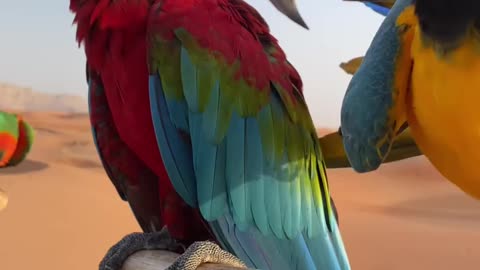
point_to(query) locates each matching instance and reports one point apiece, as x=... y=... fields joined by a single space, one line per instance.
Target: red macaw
x=201 y=125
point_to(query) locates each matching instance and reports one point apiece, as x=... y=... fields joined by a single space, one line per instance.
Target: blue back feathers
x=269 y=208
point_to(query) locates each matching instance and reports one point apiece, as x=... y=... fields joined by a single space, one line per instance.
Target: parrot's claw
x=134 y=242
x=205 y=252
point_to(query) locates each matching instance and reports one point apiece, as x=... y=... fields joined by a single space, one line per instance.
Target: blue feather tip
x=377 y=8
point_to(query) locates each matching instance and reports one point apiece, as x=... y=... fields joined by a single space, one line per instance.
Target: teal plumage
x=237 y=139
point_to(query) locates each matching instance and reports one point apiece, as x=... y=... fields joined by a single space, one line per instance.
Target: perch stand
x=160 y=260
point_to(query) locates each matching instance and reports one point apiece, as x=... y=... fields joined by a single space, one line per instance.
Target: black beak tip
x=299 y=20
x=304 y=25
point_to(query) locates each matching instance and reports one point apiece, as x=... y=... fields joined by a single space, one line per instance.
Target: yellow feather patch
x=443 y=112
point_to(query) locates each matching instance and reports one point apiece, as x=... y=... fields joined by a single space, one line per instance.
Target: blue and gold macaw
x=421 y=71
x=403 y=146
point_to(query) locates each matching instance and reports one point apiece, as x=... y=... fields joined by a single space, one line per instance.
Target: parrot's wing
x=373 y=108
x=236 y=136
x=8 y=137
x=134 y=181
x=403 y=147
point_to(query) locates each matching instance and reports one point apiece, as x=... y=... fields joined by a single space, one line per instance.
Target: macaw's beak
x=289 y=9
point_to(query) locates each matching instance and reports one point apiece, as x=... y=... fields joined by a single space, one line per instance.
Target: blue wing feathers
x=377 y=8
x=317 y=228
x=284 y=191
x=242 y=176
x=211 y=186
x=180 y=167
x=218 y=196
x=211 y=116
x=178 y=115
x=338 y=245
x=267 y=252
x=369 y=96
x=189 y=81
x=273 y=204
x=307 y=203
x=275 y=200
x=254 y=167
x=322 y=247
x=278 y=124
x=236 y=153
x=296 y=204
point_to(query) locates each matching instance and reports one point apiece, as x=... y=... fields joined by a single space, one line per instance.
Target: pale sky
x=38 y=48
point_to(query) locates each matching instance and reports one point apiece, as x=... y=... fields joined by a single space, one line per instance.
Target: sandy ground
x=64 y=213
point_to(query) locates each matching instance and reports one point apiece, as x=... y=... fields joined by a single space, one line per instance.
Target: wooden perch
x=160 y=260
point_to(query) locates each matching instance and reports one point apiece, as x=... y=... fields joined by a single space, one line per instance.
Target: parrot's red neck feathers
x=96 y=19
x=100 y=21
x=250 y=18
x=108 y=14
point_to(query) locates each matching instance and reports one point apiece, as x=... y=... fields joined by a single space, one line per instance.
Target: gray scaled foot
x=205 y=252
x=134 y=242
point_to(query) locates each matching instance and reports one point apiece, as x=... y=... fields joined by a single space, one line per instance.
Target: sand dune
x=63 y=213
x=25 y=99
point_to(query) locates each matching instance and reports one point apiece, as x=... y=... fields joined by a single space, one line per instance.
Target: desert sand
x=64 y=213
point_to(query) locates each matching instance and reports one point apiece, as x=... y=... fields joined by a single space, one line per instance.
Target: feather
x=378 y=8
x=253 y=150
x=373 y=107
x=120 y=163
x=172 y=142
x=236 y=164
